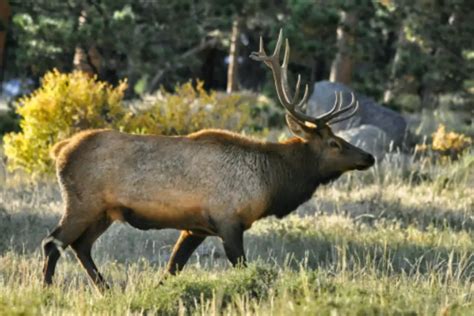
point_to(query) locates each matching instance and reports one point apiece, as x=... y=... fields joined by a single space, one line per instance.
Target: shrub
x=63 y=105
x=452 y=144
x=68 y=103
x=190 y=108
x=446 y=145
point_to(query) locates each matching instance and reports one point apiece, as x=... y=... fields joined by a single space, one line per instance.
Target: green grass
x=261 y=289
x=395 y=240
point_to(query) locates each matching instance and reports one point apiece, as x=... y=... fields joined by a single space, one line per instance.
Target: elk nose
x=370 y=160
x=366 y=161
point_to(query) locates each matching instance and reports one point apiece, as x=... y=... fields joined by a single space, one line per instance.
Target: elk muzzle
x=365 y=161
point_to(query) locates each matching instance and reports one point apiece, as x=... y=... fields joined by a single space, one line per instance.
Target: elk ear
x=297 y=128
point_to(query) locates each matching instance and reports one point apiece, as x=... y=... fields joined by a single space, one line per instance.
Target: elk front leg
x=183 y=249
x=233 y=241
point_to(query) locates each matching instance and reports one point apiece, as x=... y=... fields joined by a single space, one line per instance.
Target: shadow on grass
x=22 y=233
x=372 y=211
x=322 y=251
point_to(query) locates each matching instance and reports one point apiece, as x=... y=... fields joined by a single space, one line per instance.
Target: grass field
x=397 y=239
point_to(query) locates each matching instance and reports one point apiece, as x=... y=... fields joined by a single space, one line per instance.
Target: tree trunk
x=232 y=70
x=341 y=68
x=4 y=18
x=393 y=85
x=86 y=60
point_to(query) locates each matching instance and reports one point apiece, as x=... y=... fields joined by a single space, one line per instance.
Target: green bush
x=68 y=103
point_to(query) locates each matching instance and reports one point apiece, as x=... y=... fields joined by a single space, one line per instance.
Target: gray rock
x=370 y=113
x=369 y=138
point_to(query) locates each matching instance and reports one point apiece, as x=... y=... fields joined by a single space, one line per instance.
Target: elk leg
x=51 y=254
x=182 y=251
x=67 y=231
x=233 y=241
x=83 y=246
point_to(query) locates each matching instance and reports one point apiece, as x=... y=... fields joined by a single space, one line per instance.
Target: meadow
x=394 y=240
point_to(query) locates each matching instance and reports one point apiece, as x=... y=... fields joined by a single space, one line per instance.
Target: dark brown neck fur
x=296 y=177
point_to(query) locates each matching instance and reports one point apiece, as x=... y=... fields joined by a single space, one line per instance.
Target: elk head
x=333 y=154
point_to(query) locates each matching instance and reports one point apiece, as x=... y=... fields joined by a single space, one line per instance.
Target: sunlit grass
x=394 y=240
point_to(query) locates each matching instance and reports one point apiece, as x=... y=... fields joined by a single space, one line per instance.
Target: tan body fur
x=177 y=182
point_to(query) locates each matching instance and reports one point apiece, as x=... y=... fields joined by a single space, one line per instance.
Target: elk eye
x=334 y=144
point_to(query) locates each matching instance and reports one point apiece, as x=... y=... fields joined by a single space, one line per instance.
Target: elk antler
x=294 y=107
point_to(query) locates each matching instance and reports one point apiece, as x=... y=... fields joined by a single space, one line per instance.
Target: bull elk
x=209 y=183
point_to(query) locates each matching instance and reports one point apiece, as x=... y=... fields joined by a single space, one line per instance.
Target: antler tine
x=356 y=108
x=261 y=55
x=284 y=71
x=261 y=49
x=286 y=57
x=344 y=110
x=297 y=89
x=276 y=52
x=302 y=103
x=336 y=109
x=337 y=104
x=284 y=68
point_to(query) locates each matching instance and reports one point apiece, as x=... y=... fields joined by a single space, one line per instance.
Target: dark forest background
x=405 y=54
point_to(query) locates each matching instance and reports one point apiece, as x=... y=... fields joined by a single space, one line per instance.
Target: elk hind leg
x=51 y=254
x=65 y=233
x=83 y=247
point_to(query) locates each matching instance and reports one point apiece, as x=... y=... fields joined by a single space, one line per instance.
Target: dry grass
x=395 y=240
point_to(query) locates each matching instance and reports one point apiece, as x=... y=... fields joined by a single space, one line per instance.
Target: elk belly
x=170 y=210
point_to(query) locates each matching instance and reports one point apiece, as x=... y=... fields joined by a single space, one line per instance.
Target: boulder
x=370 y=112
x=369 y=138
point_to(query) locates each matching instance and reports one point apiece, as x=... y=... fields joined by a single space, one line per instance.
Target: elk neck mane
x=225 y=136
x=228 y=137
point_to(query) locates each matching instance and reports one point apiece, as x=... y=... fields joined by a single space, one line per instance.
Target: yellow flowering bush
x=446 y=144
x=450 y=142
x=63 y=105
x=189 y=109
x=68 y=103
